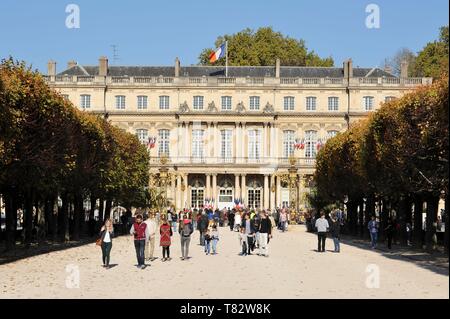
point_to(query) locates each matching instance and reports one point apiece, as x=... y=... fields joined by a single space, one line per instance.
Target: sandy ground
x=293 y=270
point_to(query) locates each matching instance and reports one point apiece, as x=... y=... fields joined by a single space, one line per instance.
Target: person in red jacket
x=140 y=232
x=166 y=232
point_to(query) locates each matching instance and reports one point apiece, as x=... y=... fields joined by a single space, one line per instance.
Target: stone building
x=231 y=138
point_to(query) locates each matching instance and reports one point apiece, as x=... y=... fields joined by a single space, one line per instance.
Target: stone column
x=266 y=191
x=172 y=189
x=186 y=141
x=208 y=186
x=243 y=142
x=215 y=145
x=214 y=189
x=186 y=194
x=273 y=143
x=180 y=140
x=278 y=202
x=238 y=141
x=272 y=194
x=179 y=195
x=243 y=189
x=237 y=189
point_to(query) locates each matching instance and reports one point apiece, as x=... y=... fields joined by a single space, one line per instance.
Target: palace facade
x=232 y=137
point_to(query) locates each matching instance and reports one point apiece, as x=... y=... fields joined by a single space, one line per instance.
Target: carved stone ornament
x=240 y=108
x=184 y=108
x=212 y=107
x=268 y=108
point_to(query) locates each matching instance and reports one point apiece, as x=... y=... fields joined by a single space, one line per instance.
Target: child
x=208 y=239
x=243 y=241
x=166 y=232
x=215 y=238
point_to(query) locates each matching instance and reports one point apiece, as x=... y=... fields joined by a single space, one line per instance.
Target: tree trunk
x=361 y=218
x=401 y=220
x=78 y=212
x=368 y=213
x=54 y=218
x=64 y=226
x=28 y=217
x=47 y=215
x=100 y=210
x=108 y=208
x=383 y=218
x=447 y=204
x=432 y=211
x=418 y=222
x=11 y=219
x=352 y=217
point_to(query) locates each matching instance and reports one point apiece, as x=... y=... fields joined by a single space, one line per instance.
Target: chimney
x=51 y=68
x=71 y=64
x=388 y=69
x=177 y=67
x=277 y=68
x=103 y=66
x=404 y=69
x=348 y=69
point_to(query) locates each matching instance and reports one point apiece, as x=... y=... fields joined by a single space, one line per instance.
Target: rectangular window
x=311 y=102
x=254 y=103
x=197 y=144
x=120 y=102
x=310 y=144
x=164 y=102
x=197 y=197
x=254 y=144
x=288 y=143
x=198 y=102
x=85 y=101
x=226 y=103
x=331 y=134
x=368 y=103
x=333 y=103
x=142 y=102
x=142 y=135
x=289 y=102
x=164 y=142
x=389 y=98
x=226 y=144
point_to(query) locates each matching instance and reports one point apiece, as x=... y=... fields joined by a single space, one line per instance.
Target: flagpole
x=226 y=58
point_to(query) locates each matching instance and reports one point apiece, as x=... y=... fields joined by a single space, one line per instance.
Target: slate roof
x=233 y=71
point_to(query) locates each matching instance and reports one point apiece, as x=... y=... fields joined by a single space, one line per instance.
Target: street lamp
x=293 y=183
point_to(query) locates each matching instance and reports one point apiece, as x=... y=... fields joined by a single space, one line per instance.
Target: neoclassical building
x=230 y=138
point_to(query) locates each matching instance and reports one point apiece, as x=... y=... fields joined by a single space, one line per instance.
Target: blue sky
x=155 y=32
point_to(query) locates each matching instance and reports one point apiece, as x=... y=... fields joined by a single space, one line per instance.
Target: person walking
x=186 y=229
x=335 y=230
x=214 y=238
x=322 y=227
x=283 y=220
x=174 y=221
x=106 y=235
x=202 y=227
x=140 y=232
x=373 y=227
x=231 y=214
x=243 y=242
x=237 y=221
x=208 y=239
x=256 y=221
x=390 y=229
x=250 y=232
x=265 y=231
x=150 y=243
x=165 y=241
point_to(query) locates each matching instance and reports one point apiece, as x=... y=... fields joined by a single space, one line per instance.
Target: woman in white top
x=237 y=221
x=106 y=234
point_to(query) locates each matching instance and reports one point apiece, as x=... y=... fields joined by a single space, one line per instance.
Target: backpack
x=186 y=230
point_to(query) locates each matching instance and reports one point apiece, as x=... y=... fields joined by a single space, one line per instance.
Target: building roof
x=233 y=71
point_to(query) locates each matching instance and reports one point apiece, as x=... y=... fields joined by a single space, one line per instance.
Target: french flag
x=219 y=53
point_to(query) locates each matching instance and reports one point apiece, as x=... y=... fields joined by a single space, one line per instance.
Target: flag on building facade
x=219 y=53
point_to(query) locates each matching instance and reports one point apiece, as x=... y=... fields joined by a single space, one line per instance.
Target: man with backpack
x=186 y=229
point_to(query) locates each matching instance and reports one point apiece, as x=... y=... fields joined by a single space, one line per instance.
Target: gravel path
x=293 y=270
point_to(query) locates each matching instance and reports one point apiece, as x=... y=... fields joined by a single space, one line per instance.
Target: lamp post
x=163 y=178
x=293 y=188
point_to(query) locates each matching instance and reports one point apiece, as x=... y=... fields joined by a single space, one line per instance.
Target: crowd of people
x=253 y=227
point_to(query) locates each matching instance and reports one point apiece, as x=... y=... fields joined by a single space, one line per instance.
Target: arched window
x=164 y=142
x=310 y=144
x=331 y=134
x=142 y=135
x=288 y=143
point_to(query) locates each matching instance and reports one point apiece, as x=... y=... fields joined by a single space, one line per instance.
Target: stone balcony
x=142 y=81
x=301 y=162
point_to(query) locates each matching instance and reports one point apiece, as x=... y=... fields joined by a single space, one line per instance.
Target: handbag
x=98 y=242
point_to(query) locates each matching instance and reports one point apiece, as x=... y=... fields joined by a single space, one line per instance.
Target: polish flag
x=219 y=53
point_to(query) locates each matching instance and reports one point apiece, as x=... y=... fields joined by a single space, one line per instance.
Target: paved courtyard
x=293 y=270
